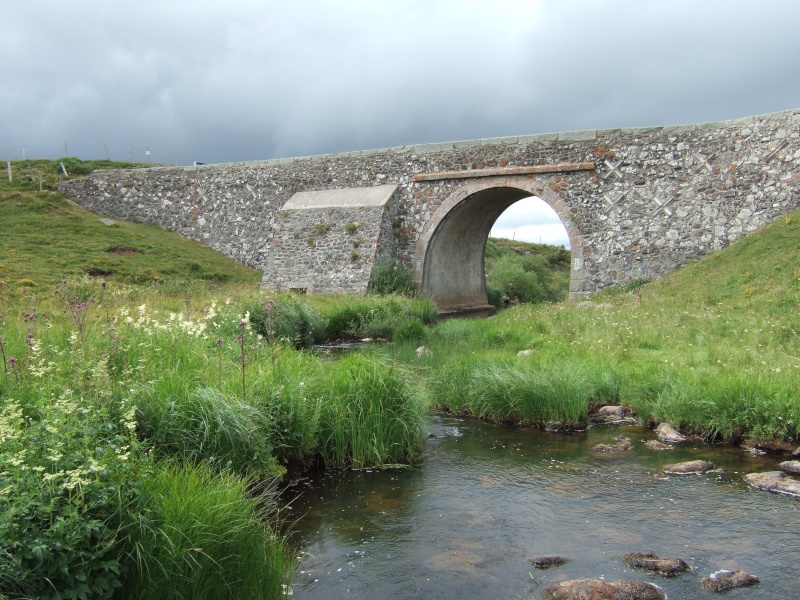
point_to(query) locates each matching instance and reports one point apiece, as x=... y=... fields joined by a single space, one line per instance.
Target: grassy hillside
x=529 y=272
x=45 y=237
x=713 y=347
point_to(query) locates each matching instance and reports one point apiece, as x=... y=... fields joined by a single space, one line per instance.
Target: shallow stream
x=465 y=522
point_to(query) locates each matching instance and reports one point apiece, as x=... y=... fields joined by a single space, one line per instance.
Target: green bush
x=291 y=320
x=530 y=272
x=391 y=277
x=68 y=475
x=510 y=276
x=494 y=296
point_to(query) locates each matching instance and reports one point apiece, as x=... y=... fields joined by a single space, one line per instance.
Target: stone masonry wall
x=657 y=197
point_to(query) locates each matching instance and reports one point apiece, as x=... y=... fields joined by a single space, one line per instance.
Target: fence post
x=8 y=166
x=40 y=181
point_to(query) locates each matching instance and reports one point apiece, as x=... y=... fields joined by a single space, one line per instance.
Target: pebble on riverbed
x=656 y=445
x=547 y=562
x=597 y=589
x=623 y=443
x=666 y=567
x=722 y=581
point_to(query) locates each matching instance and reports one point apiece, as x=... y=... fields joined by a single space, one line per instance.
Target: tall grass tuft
x=376 y=317
x=208 y=425
x=296 y=323
x=201 y=537
x=510 y=392
x=370 y=414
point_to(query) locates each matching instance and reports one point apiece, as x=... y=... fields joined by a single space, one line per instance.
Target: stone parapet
x=651 y=200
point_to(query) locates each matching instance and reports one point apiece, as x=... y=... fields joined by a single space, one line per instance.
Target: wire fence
x=116 y=153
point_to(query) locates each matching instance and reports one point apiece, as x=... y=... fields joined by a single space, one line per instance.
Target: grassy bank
x=714 y=348
x=145 y=412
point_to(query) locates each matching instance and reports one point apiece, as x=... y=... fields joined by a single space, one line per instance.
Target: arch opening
x=450 y=253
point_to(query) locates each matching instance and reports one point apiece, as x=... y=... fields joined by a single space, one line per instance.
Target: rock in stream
x=722 y=581
x=774 y=481
x=666 y=567
x=597 y=589
x=669 y=435
x=690 y=467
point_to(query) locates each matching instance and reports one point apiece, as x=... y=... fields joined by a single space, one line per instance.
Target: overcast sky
x=236 y=80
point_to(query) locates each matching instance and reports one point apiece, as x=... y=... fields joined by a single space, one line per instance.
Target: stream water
x=465 y=522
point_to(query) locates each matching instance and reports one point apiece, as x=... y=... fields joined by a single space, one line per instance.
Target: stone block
x=537 y=138
x=578 y=136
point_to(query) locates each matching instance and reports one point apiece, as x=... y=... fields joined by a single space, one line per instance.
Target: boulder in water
x=690 y=467
x=774 y=481
x=597 y=589
x=722 y=581
x=669 y=435
x=666 y=567
x=790 y=466
x=623 y=443
x=613 y=414
x=656 y=445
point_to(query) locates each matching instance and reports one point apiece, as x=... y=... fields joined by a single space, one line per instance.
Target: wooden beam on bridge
x=500 y=171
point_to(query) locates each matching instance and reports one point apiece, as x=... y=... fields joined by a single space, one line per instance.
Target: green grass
x=527 y=272
x=153 y=382
x=123 y=395
x=370 y=414
x=714 y=348
x=47 y=237
x=201 y=536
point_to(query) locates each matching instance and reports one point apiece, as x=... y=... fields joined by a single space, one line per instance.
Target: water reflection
x=464 y=523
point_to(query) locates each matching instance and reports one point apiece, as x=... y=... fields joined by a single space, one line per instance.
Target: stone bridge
x=636 y=203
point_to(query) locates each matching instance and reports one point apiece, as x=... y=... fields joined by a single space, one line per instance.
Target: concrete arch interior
x=454 y=272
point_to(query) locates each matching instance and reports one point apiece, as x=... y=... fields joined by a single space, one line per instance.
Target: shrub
x=391 y=277
x=296 y=322
x=69 y=470
x=494 y=297
x=510 y=276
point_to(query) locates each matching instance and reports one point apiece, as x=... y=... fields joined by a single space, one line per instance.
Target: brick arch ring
x=448 y=259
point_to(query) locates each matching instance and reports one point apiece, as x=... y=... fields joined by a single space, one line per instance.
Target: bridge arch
x=449 y=256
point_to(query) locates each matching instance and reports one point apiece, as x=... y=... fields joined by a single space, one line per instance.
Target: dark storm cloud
x=217 y=82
